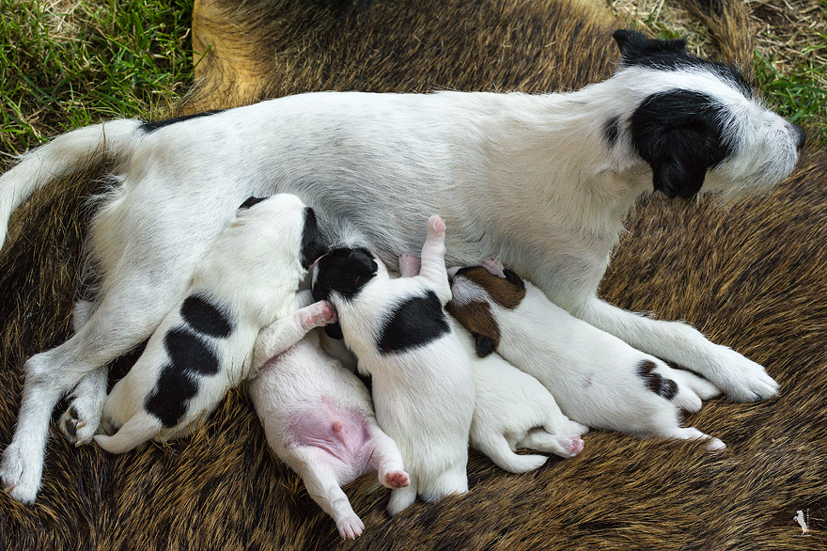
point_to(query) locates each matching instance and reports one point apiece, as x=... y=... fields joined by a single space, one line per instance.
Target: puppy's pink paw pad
x=397 y=479
x=572 y=444
x=494 y=267
x=436 y=225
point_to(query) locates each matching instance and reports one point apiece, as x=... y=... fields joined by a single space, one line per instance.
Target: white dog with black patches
x=422 y=378
x=596 y=378
x=203 y=347
x=541 y=182
x=318 y=418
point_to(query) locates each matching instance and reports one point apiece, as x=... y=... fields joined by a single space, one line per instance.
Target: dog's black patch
x=513 y=279
x=313 y=245
x=415 y=322
x=344 y=271
x=680 y=134
x=205 y=317
x=483 y=345
x=670 y=55
x=611 y=130
x=334 y=331
x=188 y=353
x=171 y=395
x=151 y=126
x=250 y=201
x=662 y=386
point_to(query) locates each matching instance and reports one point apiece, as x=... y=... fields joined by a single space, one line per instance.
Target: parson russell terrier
x=596 y=378
x=373 y=166
x=202 y=348
x=422 y=378
x=512 y=410
x=318 y=418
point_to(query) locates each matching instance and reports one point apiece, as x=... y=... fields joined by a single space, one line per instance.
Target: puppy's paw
x=715 y=445
x=319 y=314
x=494 y=267
x=395 y=479
x=436 y=226
x=408 y=265
x=20 y=474
x=350 y=527
x=741 y=379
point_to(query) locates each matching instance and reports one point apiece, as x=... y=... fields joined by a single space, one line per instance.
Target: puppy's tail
x=402 y=498
x=58 y=158
x=137 y=430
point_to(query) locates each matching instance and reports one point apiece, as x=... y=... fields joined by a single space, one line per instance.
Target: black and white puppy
x=318 y=418
x=596 y=378
x=422 y=378
x=203 y=347
x=540 y=181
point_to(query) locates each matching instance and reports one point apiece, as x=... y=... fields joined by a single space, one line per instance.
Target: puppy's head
x=697 y=123
x=474 y=290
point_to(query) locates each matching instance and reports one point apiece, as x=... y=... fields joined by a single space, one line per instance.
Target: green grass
x=117 y=59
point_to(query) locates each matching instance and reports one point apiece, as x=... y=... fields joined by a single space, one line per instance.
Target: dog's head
x=474 y=289
x=697 y=123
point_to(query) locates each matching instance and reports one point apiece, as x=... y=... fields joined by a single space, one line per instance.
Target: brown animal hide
x=749 y=275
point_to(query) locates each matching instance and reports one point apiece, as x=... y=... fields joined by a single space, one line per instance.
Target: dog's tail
x=57 y=158
x=137 y=430
x=402 y=498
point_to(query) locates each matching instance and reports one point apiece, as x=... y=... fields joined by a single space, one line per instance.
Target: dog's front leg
x=739 y=378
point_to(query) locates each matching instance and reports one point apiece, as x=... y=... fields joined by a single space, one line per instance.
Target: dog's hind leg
x=81 y=419
x=498 y=450
x=402 y=498
x=137 y=430
x=432 y=265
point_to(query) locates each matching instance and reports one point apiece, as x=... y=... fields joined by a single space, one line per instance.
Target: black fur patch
x=206 y=318
x=250 y=201
x=313 y=245
x=344 y=271
x=483 y=345
x=680 y=134
x=662 y=386
x=416 y=322
x=611 y=130
x=151 y=126
x=189 y=353
x=171 y=395
x=670 y=55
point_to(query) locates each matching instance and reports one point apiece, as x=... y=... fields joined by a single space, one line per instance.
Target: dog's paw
x=494 y=267
x=350 y=527
x=79 y=429
x=20 y=474
x=741 y=379
x=436 y=226
x=395 y=479
x=408 y=265
x=319 y=314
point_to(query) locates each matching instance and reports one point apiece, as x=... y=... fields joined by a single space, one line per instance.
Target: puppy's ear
x=514 y=279
x=638 y=49
x=250 y=201
x=334 y=331
x=680 y=134
x=483 y=345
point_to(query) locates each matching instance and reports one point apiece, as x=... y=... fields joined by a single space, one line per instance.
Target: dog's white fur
x=251 y=274
x=529 y=179
x=318 y=418
x=594 y=376
x=423 y=395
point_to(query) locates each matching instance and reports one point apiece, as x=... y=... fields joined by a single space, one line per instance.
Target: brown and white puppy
x=422 y=378
x=318 y=418
x=596 y=378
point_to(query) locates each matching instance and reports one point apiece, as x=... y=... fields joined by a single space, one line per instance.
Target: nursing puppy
x=512 y=410
x=202 y=348
x=422 y=379
x=596 y=378
x=374 y=165
x=319 y=419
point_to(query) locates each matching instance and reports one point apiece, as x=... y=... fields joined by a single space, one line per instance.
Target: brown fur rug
x=751 y=276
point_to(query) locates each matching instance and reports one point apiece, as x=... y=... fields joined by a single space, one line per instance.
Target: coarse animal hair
x=750 y=276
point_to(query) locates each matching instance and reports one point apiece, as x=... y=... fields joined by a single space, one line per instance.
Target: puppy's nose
x=800 y=136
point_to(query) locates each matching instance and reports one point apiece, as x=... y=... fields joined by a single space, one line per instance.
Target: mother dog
x=540 y=182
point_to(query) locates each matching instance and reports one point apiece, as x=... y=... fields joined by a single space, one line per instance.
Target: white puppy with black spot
x=318 y=418
x=596 y=378
x=203 y=347
x=512 y=410
x=540 y=181
x=422 y=378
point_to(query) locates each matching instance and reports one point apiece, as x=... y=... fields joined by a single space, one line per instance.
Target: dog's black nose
x=800 y=136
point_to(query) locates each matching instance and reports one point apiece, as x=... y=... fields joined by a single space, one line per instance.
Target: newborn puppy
x=422 y=378
x=595 y=377
x=319 y=419
x=203 y=346
x=512 y=410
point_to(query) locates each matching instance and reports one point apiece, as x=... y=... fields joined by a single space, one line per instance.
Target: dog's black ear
x=483 y=345
x=334 y=331
x=680 y=134
x=514 y=279
x=638 y=49
x=250 y=201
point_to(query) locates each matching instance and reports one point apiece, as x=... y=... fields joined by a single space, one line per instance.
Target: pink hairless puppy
x=319 y=419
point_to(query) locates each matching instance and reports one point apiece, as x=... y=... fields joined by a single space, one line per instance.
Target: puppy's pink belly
x=344 y=435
